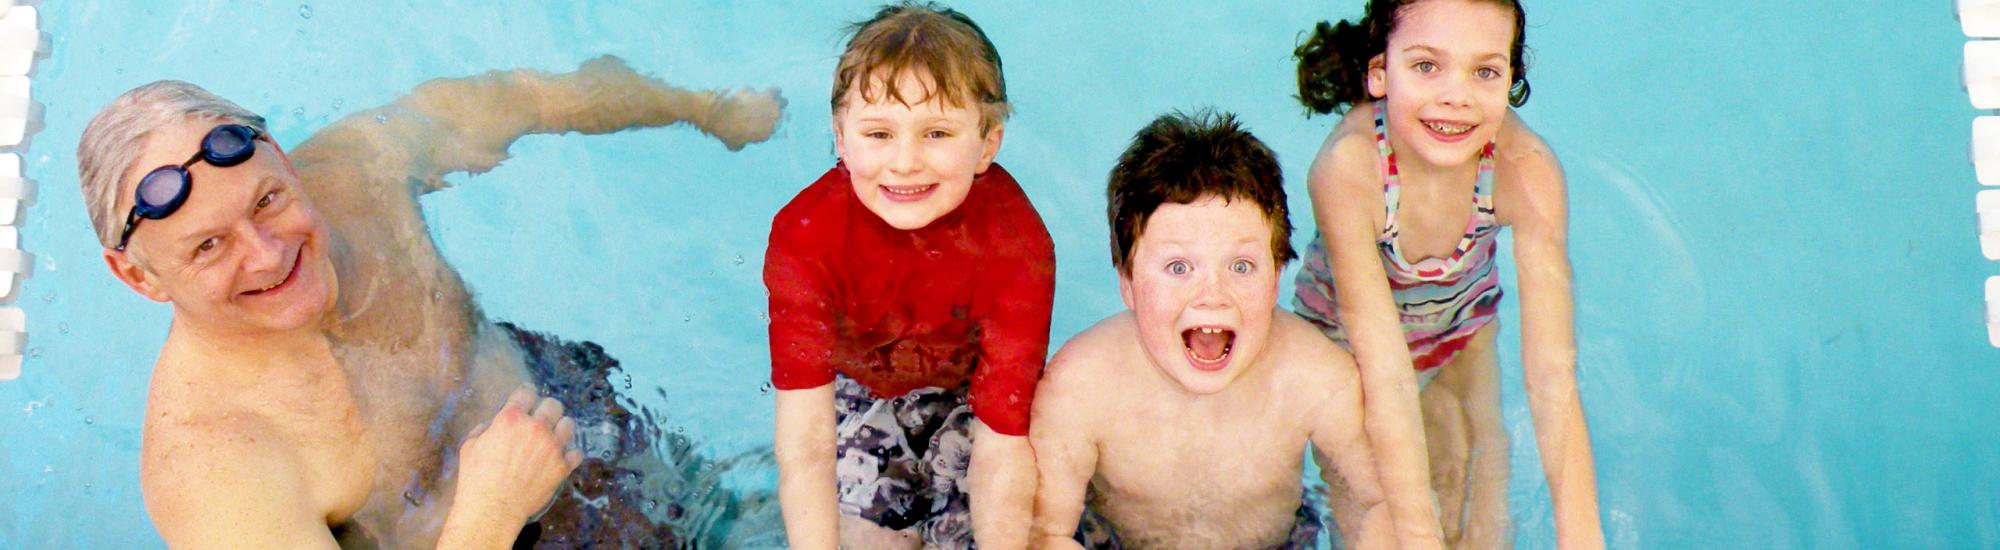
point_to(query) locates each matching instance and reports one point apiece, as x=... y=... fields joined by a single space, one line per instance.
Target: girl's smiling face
x=1444 y=79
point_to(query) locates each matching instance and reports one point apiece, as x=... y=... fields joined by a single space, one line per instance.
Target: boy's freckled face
x=1446 y=75
x=1202 y=287
x=911 y=164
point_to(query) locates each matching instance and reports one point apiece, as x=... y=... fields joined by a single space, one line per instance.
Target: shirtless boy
x=1183 y=421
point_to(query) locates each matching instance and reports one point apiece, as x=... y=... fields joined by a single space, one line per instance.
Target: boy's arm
x=1540 y=217
x=802 y=339
x=1340 y=447
x=1013 y=313
x=466 y=124
x=805 y=450
x=1001 y=486
x=1065 y=455
x=1347 y=198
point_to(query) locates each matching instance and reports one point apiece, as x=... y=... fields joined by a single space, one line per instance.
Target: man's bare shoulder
x=197 y=452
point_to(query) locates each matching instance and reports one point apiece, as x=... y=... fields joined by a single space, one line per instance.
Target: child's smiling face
x=1445 y=78
x=1202 y=287
x=912 y=164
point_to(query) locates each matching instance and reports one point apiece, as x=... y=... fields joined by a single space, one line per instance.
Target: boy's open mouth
x=1208 y=347
x=908 y=193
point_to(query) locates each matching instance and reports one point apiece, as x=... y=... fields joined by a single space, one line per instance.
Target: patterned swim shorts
x=901 y=462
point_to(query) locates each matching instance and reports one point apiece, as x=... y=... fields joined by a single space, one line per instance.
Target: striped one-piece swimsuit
x=1442 y=301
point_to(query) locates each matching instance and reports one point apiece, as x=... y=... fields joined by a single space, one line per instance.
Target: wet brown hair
x=936 y=41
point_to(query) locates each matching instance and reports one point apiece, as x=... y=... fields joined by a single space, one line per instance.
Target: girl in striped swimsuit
x=1427 y=85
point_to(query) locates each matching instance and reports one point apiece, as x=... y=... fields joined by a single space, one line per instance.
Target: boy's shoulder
x=812 y=214
x=1007 y=219
x=1094 y=354
x=1303 y=354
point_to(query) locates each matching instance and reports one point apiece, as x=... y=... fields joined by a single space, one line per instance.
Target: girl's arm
x=1347 y=203
x=1538 y=210
x=805 y=449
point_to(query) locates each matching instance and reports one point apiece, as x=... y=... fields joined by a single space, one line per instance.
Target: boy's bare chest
x=1176 y=457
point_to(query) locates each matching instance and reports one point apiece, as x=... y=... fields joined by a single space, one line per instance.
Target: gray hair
x=111 y=142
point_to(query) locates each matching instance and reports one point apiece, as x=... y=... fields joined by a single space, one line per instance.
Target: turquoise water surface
x=1777 y=277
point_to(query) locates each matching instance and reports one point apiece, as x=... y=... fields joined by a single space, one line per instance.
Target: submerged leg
x=1487 y=524
x=1447 y=436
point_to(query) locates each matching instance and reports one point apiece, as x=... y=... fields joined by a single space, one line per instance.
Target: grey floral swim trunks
x=901 y=461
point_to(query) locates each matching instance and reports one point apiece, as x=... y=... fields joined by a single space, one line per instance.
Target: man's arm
x=508 y=469
x=466 y=124
x=226 y=491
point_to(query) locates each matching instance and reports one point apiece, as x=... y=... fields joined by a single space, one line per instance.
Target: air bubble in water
x=687 y=318
x=89 y=420
x=381 y=119
x=739 y=259
x=34 y=352
x=628 y=381
x=338 y=103
x=305 y=11
x=62 y=328
x=410 y=498
x=299 y=112
x=764 y=389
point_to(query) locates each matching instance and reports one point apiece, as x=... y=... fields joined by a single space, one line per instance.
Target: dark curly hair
x=1333 y=61
x=1182 y=158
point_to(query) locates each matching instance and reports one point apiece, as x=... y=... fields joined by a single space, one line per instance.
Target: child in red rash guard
x=911 y=287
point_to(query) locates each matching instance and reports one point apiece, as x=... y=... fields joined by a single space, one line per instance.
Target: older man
x=323 y=357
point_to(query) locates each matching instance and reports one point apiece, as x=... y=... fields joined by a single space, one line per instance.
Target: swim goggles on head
x=163 y=190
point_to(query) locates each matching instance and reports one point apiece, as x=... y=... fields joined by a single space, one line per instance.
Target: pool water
x=1777 y=277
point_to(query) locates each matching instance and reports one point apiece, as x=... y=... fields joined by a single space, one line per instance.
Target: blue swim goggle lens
x=163 y=190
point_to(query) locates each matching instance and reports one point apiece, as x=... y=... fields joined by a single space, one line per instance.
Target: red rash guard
x=965 y=298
